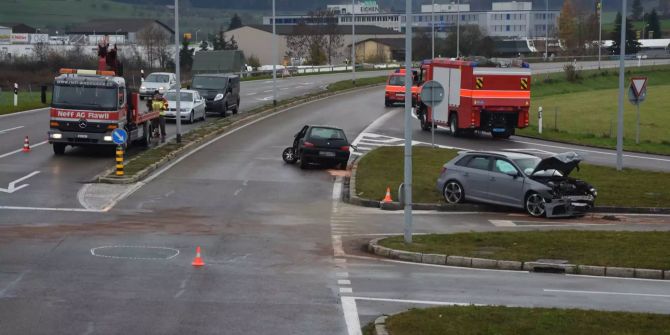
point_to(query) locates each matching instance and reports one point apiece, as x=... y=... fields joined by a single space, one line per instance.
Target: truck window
x=209 y=82
x=85 y=97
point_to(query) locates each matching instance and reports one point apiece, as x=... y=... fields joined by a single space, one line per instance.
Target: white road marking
x=11 y=188
x=340 y=260
x=337 y=247
x=610 y=293
x=351 y=315
x=343 y=282
x=20 y=150
x=25 y=112
x=346 y=290
x=502 y=223
x=620 y=278
x=267 y=91
x=237 y=192
x=419 y=302
x=337 y=188
x=591 y=151
x=375 y=124
x=10 y=286
x=252 y=93
x=22 y=208
x=176 y=252
x=10 y=129
x=342 y=274
x=179 y=293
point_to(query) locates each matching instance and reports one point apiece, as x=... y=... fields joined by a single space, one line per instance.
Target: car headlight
x=161 y=89
x=57 y=136
x=107 y=138
x=594 y=192
x=218 y=97
x=143 y=88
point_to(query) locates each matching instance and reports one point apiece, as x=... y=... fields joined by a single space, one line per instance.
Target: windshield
x=397 y=81
x=527 y=165
x=185 y=96
x=210 y=82
x=85 y=97
x=158 y=78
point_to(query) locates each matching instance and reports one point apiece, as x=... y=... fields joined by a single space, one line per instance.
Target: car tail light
x=309 y=144
x=525 y=118
x=344 y=148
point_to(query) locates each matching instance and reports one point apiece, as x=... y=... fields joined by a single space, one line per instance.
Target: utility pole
x=432 y=57
x=622 y=69
x=408 y=122
x=353 y=42
x=546 y=30
x=458 y=29
x=178 y=70
x=600 y=31
x=274 y=56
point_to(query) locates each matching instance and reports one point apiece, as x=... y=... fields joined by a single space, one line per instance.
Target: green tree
x=316 y=55
x=632 y=44
x=219 y=41
x=235 y=22
x=254 y=62
x=567 y=27
x=232 y=44
x=637 y=9
x=654 y=25
x=185 y=55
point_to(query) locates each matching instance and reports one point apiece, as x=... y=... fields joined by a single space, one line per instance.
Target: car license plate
x=82 y=136
x=326 y=154
x=498 y=130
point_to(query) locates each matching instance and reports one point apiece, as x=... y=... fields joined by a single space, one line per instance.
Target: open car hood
x=564 y=163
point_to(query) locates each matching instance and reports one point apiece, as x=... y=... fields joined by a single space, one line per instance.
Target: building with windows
x=518 y=20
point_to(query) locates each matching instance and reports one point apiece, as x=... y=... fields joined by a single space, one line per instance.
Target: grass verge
x=585 y=111
x=27 y=101
x=147 y=158
x=383 y=167
x=465 y=320
x=603 y=248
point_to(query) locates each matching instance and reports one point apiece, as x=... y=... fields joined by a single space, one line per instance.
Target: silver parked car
x=158 y=81
x=540 y=186
x=192 y=105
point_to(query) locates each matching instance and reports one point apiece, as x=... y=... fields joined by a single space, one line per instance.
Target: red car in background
x=395 y=88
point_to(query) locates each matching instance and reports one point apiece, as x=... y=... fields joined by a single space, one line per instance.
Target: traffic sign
x=639 y=85
x=119 y=136
x=432 y=93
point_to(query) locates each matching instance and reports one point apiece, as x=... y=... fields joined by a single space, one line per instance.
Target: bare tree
x=156 y=44
x=41 y=51
x=327 y=33
x=298 y=42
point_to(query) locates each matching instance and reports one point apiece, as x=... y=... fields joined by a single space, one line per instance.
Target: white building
x=366 y=7
x=504 y=19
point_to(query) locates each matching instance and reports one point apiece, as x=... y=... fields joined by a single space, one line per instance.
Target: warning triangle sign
x=639 y=85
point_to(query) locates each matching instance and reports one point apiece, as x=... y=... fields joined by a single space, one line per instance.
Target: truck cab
x=395 y=88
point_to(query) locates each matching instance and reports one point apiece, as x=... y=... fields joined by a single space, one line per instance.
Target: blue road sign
x=119 y=136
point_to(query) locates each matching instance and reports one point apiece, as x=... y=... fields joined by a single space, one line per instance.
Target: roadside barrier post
x=119 y=161
x=16 y=94
x=43 y=96
x=539 y=119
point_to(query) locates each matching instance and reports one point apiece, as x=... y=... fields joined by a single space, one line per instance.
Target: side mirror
x=513 y=174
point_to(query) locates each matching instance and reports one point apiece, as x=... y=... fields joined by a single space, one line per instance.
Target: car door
x=506 y=183
x=475 y=177
x=173 y=81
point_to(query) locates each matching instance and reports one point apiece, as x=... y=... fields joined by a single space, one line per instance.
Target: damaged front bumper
x=569 y=206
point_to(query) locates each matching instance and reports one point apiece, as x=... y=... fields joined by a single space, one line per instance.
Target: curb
x=380 y=325
x=105 y=177
x=354 y=199
x=493 y=264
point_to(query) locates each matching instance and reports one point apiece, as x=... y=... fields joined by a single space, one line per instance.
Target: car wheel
x=453 y=192
x=204 y=116
x=59 y=148
x=535 y=205
x=289 y=156
x=191 y=118
x=146 y=135
x=453 y=125
x=387 y=103
x=237 y=107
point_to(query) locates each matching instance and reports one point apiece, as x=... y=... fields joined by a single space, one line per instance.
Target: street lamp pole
x=546 y=30
x=600 y=31
x=432 y=30
x=353 y=43
x=274 y=56
x=458 y=28
x=177 y=69
x=622 y=68
x=407 y=199
x=196 y=35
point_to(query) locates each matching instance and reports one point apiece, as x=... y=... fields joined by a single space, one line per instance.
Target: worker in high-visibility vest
x=160 y=104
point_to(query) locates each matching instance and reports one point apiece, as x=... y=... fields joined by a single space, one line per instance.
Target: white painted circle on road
x=135 y=252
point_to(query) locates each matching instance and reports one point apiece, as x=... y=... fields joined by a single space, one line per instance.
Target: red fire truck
x=87 y=105
x=495 y=100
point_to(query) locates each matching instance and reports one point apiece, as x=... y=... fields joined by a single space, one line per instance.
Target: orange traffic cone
x=26 y=145
x=387 y=198
x=197 y=261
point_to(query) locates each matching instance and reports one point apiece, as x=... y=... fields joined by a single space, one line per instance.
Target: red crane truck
x=495 y=100
x=87 y=105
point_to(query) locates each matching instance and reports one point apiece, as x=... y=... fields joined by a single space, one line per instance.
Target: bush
x=571 y=73
x=253 y=62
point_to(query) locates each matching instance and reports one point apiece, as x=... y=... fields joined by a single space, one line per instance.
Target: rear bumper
x=315 y=155
x=79 y=138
